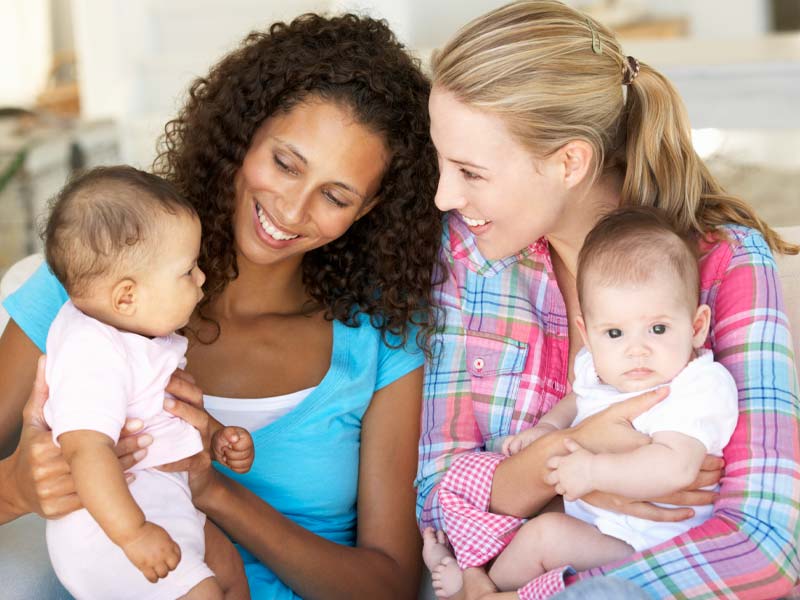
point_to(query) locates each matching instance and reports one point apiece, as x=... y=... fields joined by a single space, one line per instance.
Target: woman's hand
x=188 y=405
x=42 y=476
x=694 y=495
x=611 y=430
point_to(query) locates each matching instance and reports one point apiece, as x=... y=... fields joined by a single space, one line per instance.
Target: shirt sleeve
x=448 y=427
x=396 y=359
x=703 y=406
x=36 y=303
x=89 y=383
x=748 y=549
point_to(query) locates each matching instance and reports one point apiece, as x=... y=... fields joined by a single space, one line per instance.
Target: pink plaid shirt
x=501 y=362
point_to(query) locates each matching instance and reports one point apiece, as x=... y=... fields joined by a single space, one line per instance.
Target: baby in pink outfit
x=124 y=244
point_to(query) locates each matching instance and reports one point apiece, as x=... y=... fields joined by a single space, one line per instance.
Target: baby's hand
x=152 y=551
x=572 y=474
x=516 y=443
x=233 y=447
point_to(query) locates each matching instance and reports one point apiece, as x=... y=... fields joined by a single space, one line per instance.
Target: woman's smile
x=267 y=226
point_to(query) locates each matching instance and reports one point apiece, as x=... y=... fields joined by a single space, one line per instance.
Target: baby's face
x=171 y=287
x=641 y=335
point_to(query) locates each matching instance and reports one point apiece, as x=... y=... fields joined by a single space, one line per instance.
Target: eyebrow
x=304 y=160
x=466 y=163
x=608 y=325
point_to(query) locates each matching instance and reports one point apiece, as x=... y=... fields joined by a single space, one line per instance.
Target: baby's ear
x=582 y=329
x=123 y=297
x=700 y=325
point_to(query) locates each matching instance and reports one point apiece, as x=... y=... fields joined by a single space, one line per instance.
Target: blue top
x=306 y=463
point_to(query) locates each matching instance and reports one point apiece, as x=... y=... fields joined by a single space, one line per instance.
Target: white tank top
x=253 y=413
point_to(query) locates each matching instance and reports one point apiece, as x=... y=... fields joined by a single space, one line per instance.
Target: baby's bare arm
x=102 y=488
x=101 y=484
x=560 y=416
x=669 y=463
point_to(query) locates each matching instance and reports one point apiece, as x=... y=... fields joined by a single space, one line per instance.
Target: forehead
x=178 y=233
x=462 y=132
x=662 y=294
x=329 y=138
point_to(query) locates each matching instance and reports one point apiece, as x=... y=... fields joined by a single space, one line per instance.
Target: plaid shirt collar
x=463 y=248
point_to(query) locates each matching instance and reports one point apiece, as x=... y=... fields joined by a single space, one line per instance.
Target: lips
x=639 y=373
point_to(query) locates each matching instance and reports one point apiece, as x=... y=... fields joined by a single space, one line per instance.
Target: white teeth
x=474 y=222
x=270 y=229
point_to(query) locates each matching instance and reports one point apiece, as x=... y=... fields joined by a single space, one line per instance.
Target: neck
x=600 y=199
x=264 y=289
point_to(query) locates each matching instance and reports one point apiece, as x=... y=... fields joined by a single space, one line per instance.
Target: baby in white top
x=125 y=245
x=638 y=288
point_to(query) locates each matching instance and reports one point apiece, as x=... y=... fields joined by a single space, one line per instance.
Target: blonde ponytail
x=664 y=171
x=555 y=75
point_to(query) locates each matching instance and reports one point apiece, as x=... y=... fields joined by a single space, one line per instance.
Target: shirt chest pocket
x=495 y=364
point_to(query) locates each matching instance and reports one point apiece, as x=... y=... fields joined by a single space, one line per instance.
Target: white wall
x=25 y=50
x=137 y=59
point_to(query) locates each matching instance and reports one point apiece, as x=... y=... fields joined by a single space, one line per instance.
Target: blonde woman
x=542 y=125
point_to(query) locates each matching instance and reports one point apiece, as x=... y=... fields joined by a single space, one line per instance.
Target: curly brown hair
x=382 y=266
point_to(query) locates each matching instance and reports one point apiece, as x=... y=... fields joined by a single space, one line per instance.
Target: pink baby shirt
x=100 y=376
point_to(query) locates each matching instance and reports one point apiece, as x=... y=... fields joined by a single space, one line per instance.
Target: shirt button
x=478 y=364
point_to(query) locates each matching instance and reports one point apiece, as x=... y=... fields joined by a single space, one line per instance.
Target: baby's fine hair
x=101 y=220
x=631 y=246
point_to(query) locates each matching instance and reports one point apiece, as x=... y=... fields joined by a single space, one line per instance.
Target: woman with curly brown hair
x=306 y=154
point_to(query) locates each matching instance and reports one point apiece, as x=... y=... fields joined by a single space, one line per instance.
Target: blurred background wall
x=85 y=82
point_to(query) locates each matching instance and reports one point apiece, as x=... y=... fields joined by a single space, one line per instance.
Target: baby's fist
x=152 y=551
x=233 y=447
x=572 y=474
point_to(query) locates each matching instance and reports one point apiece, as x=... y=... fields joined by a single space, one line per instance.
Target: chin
x=492 y=252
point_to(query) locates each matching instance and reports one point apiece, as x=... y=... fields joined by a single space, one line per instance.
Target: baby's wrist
x=546 y=427
x=594 y=472
x=214 y=427
x=128 y=533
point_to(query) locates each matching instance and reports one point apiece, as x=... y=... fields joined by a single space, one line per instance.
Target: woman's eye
x=659 y=329
x=334 y=200
x=614 y=333
x=469 y=175
x=283 y=166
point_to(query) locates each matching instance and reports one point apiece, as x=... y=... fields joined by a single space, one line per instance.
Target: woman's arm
x=36 y=478
x=385 y=563
x=18 y=356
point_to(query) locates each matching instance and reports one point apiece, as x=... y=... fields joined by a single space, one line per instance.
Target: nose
x=200 y=277
x=448 y=194
x=638 y=348
x=292 y=207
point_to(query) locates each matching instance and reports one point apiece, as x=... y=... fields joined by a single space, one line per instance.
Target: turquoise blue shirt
x=306 y=463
